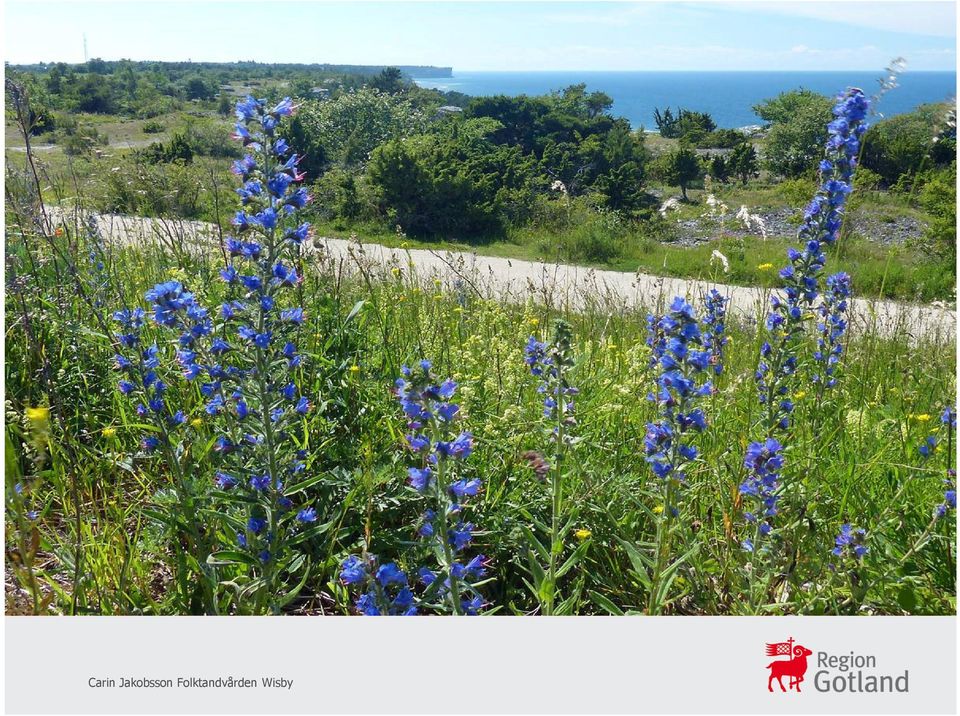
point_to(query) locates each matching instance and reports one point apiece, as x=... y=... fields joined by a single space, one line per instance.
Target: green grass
x=851 y=457
x=878 y=271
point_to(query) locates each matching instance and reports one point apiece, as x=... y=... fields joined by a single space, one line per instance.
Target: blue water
x=727 y=96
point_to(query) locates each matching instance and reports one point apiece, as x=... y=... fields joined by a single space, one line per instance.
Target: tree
x=743 y=162
x=94 y=95
x=452 y=181
x=346 y=129
x=798 y=130
x=621 y=168
x=598 y=103
x=720 y=169
x=784 y=106
x=390 y=80
x=197 y=88
x=688 y=124
x=681 y=167
x=224 y=106
x=905 y=144
x=666 y=123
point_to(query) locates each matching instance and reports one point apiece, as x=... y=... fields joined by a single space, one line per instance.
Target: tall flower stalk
x=251 y=388
x=786 y=323
x=145 y=370
x=440 y=448
x=678 y=352
x=831 y=327
x=550 y=364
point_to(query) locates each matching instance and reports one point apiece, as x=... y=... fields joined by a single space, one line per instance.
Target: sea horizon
x=728 y=95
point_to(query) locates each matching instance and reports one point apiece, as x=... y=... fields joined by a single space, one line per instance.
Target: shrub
x=902 y=145
x=939 y=197
x=797 y=133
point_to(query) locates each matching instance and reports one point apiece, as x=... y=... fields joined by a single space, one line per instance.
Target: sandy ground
x=557 y=285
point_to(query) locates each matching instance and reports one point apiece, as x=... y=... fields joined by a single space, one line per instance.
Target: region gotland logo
x=849 y=673
x=794 y=666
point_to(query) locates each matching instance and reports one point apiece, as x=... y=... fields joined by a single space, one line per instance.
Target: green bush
x=798 y=122
x=939 y=197
x=902 y=145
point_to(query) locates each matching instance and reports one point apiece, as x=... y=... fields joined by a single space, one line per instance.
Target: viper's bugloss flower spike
x=831 y=327
x=777 y=368
x=439 y=447
x=714 y=329
x=550 y=363
x=680 y=359
x=760 y=489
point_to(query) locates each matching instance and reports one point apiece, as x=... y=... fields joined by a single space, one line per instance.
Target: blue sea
x=727 y=96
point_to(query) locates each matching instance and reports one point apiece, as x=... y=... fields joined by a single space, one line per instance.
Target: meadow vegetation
x=243 y=426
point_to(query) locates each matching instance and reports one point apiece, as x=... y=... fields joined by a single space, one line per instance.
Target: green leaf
x=670 y=573
x=357 y=307
x=536 y=544
x=536 y=571
x=546 y=591
x=907 y=598
x=306 y=483
x=292 y=594
x=573 y=559
x=231 y=557
x=605 y=604
x=640 y=562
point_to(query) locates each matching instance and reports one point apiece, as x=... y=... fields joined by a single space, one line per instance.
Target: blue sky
x=773 y=35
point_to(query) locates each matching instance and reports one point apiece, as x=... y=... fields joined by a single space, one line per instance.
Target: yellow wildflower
x=534 y=322
x=38 y=415
x=196 y=422
x=395 y=271
x=109 y=432
x=764 y=267
x=582 y=534
x=799 y=395
x=921 y=418
x=354 y=369
x=658 y=510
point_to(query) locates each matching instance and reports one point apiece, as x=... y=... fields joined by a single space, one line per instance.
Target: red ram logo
x=794 y=667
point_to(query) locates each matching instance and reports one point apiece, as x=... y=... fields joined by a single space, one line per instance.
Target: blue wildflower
x=850 y=542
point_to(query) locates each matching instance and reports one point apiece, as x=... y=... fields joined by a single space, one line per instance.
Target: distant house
x=319 y=91
x=447 y=110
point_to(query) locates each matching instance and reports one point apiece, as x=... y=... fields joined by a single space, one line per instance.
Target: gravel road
x=557 y=285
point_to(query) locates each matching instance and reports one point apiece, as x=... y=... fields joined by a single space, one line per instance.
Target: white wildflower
x=717 y=207
x=752 y=222
x=717 y=257
x=558 y=186
x=671 y=204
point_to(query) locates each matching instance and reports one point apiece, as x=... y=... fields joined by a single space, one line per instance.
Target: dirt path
x=557 y=285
